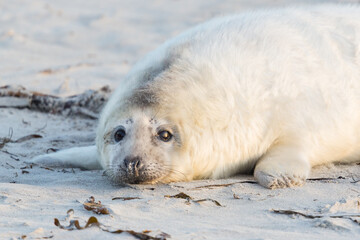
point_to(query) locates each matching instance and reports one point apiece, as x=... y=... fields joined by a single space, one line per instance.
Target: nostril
x=137 y=163
x=133 y=163
x=126 y=162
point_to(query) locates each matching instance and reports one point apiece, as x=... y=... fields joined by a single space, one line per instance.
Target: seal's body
x=274 y=91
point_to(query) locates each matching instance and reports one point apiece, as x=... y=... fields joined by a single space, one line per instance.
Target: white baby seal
x=273 y=91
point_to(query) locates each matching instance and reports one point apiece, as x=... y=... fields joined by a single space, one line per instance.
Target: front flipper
x=77 y=157
x=281 y=167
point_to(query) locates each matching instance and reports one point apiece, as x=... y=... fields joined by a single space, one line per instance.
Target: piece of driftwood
x=87 y=104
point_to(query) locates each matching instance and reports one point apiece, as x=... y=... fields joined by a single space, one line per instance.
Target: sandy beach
x=66 y=47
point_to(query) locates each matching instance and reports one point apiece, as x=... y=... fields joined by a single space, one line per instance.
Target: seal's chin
x=121 y=177
x=141 y=181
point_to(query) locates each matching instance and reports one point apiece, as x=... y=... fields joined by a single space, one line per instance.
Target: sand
x=66 y=47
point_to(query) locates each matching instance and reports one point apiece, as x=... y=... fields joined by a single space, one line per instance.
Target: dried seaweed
x=208 y=199
x=190 y=199
x=10 y=165
x=25 y=122
x=49 y=237
x=26 y=138
x=325 y=179
x=87 y=104
x=224 y=185
x=125 y=198
x=5 y=140
x=14 y=158
x=254 y=182
x=49 y=71
x=93 y=222
x=66 y=171
x=42 y=128
x=52 y=150
x=46 y=168
x=11 y=154
x=312 y=216
x=291 y=212
x=355 y=220
x=74 y=224
x=96 y=207
x=179 y=195
x=354 y=180
x=30 y=166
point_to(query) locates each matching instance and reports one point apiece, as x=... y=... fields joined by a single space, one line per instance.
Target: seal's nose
x=133 y=165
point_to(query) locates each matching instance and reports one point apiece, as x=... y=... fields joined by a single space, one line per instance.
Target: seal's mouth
x=140 y=177
x=138 y=180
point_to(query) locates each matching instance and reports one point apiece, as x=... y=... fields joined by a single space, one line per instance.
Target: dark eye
x=119 y=135
x=165 y=136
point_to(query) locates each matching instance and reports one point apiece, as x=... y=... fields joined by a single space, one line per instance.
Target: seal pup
x=272 y=91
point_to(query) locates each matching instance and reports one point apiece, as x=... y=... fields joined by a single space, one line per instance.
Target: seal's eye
x=164 y=135
x=119 y=135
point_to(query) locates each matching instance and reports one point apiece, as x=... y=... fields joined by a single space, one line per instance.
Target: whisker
x=155 y=114
x=170 y=168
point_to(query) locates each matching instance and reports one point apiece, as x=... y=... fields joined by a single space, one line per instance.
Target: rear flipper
x=77 y=157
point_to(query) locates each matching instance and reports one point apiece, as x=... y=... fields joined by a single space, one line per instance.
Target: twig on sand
x=313 y=216
x=188 y=199
x=224 y=185
x=125 y=198
x=325 y=179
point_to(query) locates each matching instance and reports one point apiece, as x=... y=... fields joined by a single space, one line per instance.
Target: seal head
x=139 y=149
